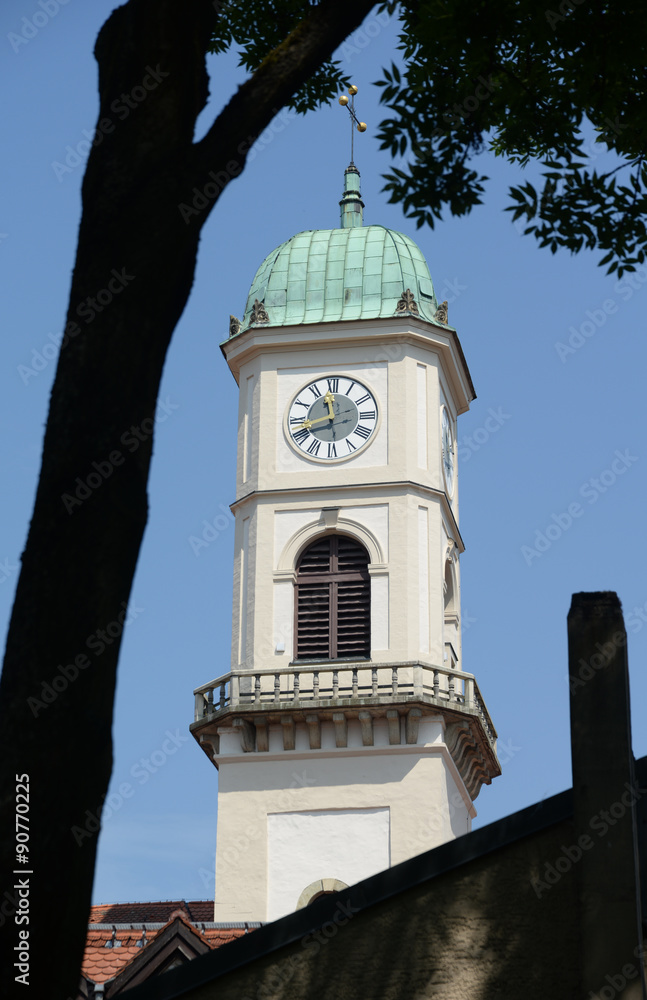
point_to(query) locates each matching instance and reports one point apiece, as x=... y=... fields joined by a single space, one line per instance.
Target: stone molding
x=319 y=888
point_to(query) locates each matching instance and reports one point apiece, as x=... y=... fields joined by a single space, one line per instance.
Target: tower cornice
x=382 y=490
x=409 y=330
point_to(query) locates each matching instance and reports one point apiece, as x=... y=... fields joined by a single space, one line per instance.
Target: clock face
x=448 y=451
x=332 y=418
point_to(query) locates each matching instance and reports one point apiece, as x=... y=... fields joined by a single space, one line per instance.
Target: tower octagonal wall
x=405 y=533
x=339 y=816
x=347 y=733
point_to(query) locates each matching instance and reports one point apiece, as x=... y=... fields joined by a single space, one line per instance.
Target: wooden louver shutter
x=333 y=600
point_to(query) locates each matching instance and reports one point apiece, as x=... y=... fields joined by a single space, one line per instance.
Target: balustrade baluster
x=277 y=687
x=374 y=681
x=394 y=681
x=452 y=696
x=355 y=683
x=315 y=684
x=296 y=687
x=335 y=683
x=223 y=688
x=209 y=701
x=436 y=683
x=257 y=688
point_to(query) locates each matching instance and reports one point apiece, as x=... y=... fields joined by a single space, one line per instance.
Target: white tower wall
x=332 y=770
x=377 y=805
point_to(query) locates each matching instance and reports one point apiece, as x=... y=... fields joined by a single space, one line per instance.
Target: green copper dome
x=355 y=272
x=325 y=275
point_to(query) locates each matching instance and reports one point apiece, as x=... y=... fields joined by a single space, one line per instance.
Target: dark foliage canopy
x=564 y=86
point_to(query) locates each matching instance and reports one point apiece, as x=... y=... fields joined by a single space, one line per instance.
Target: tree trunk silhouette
x=147 y=192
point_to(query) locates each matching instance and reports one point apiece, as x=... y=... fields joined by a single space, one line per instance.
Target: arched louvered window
x=333 y=601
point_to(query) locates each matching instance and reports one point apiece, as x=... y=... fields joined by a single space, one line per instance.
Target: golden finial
x=361 y=126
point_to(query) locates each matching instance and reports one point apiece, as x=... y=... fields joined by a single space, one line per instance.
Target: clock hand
x=309 y=423
x=329 y=399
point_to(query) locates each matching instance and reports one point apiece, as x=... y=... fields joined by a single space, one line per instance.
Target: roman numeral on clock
x=333 y=384
x=301 y=435
x=332 y=451
x=363 y=432
x=314 y=447
x=314 y=390
x=363 y=399
x=367 y=415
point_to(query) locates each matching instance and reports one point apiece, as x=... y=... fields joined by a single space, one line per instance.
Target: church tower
x=347 y=735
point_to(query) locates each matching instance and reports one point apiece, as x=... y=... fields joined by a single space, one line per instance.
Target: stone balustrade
x=310 y=686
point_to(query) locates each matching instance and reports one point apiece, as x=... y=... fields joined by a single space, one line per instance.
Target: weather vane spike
x=361 y=126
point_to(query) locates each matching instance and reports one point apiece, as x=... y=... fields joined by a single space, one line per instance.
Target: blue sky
x=544 y=436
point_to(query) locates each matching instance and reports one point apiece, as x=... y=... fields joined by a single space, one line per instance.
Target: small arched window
x=333 y=601
x=449 y=589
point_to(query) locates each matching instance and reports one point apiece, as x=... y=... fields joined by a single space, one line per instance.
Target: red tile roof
x=101 y=963
x=107 y=953
x=199 y=911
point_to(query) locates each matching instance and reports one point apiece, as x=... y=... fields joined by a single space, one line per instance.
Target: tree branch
x=277 y=79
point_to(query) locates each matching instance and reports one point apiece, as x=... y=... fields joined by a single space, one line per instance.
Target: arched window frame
x=449 y=589
x=322 y=887
x=342 y=601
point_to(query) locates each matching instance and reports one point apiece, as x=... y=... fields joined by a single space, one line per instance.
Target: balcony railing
x=325 y=685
